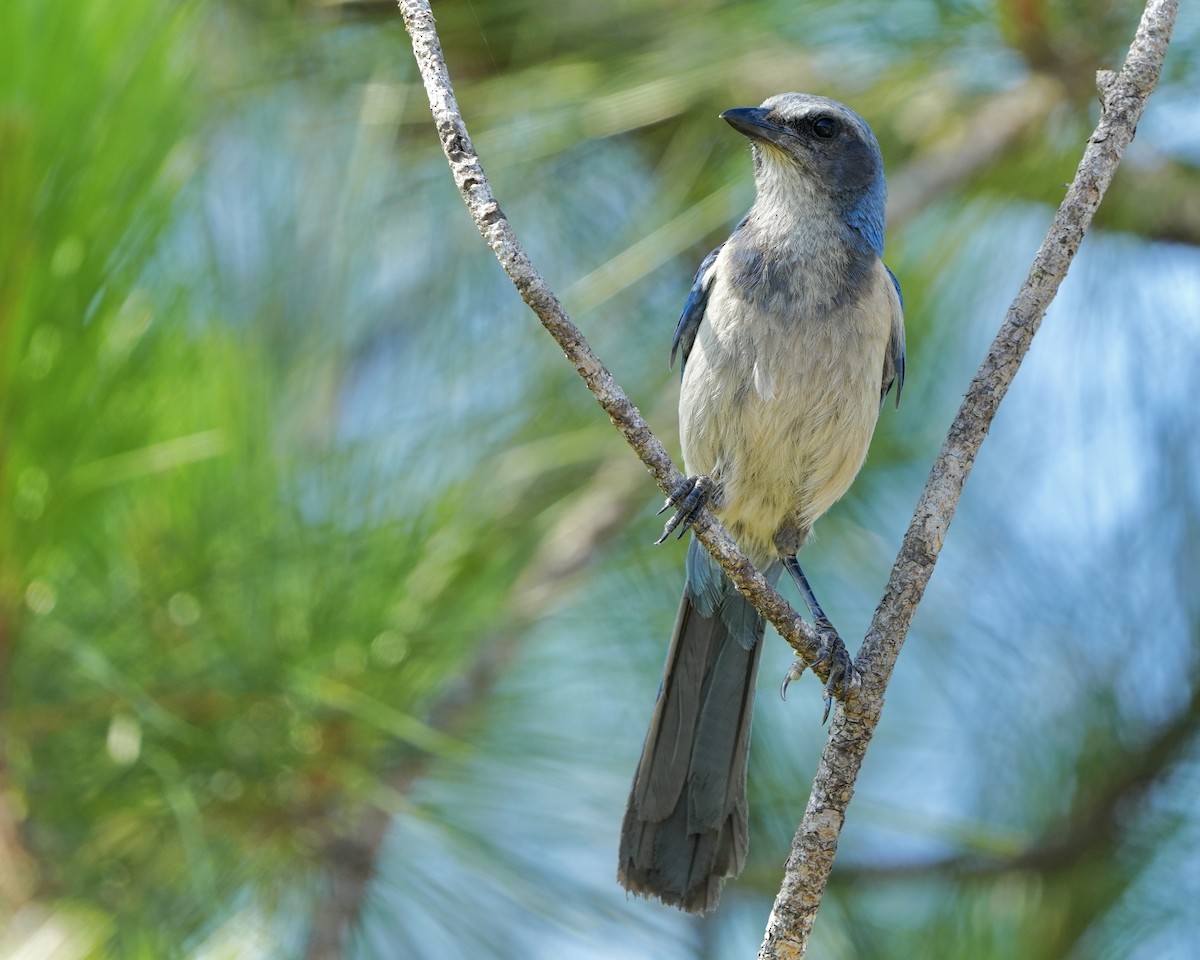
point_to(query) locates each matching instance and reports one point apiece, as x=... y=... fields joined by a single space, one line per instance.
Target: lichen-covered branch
x=1123 y=98
x=500 y=236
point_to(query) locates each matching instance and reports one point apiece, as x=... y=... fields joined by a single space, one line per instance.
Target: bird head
x=817 y=151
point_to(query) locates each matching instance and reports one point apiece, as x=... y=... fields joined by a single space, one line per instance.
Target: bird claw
x=842 y=676
x=794 y=672
x=841 y=667
x=688 y=499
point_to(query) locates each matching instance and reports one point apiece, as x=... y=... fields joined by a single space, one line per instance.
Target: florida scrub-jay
x=790 y=339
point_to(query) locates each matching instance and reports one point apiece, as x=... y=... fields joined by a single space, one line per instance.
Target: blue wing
x=893 y=366
x=693 y=311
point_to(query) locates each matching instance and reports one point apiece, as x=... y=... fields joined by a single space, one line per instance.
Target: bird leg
x=832 y=649
x=688 y=499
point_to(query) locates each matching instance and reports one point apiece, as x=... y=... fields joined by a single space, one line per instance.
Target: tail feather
x=722 y=734
x=667 y=755
x=686 y=827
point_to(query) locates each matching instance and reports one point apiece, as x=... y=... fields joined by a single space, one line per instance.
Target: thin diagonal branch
x=500 y=236
x=1123 y=98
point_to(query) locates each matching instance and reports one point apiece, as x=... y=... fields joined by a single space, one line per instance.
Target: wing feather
x=693 y=310
x=893 y=361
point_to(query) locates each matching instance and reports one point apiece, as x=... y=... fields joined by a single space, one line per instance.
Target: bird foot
x=842 y=675
x=688 y=499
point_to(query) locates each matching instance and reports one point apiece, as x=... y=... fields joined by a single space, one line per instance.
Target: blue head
x=815 y=149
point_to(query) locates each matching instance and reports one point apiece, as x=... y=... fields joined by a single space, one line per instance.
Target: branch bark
x=1123 y=98
x=476 y=192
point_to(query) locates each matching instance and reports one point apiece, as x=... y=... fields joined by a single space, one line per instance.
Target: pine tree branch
x=1123 y=98
x=992 y=127
x=350 y=858
x=476 y=192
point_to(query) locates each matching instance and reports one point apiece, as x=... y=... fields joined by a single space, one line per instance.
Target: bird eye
x=825 y=127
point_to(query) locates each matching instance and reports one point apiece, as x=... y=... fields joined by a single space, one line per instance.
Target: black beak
x=752 y=122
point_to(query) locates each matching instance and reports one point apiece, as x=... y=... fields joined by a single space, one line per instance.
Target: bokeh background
x=329 y=618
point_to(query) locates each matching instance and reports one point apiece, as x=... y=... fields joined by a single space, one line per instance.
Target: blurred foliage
x=309 y=533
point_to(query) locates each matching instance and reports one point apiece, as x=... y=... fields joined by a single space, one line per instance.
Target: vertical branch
x=1123 y=98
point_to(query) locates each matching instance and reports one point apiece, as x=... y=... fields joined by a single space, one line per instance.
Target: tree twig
x=493 y=225
x=1123 y=98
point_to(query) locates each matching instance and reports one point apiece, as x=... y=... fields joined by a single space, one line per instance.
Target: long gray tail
x=685 y=828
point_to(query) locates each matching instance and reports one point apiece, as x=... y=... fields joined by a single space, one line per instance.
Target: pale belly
x=780 y=415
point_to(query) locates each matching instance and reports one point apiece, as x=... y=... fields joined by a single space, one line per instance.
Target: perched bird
x=791 y=337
